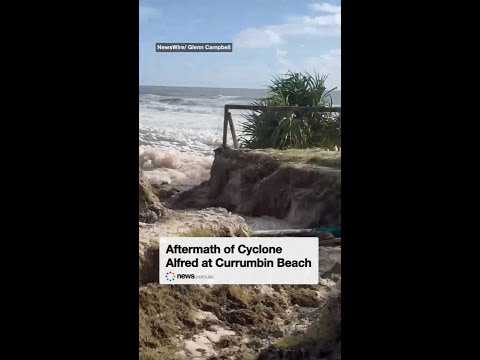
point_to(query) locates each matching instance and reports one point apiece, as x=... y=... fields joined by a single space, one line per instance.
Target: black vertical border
x=387 y=126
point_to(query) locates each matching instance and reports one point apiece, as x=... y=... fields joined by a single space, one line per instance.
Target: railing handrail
x=227 y=118
x=283 y=108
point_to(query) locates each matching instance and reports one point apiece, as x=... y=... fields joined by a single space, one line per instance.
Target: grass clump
x=289 y=342
x=312 y=156
x=239 y=294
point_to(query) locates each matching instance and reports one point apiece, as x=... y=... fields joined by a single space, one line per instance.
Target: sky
x=269 y=38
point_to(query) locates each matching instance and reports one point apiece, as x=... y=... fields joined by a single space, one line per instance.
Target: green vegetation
x=293 y=129
x=289 y=342
x=313 y=156
x=165 y=312
x=239 y=294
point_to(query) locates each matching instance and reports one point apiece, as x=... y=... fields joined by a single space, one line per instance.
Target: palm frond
x=299 y=129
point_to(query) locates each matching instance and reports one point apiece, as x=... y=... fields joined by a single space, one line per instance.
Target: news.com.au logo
x=185 y=276
x=170 y=276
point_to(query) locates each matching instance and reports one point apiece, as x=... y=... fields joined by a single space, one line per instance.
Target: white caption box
x=190 y=260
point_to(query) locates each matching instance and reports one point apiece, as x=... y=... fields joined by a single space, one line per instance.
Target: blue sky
x=269 y=37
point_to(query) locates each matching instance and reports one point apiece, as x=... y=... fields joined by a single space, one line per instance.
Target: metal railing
x=227 y=118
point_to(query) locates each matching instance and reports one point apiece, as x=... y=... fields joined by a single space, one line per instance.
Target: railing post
x=225 y=127
x=227 y=117
x=232 y=128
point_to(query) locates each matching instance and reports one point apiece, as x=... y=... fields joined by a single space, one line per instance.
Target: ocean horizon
x=145 y=89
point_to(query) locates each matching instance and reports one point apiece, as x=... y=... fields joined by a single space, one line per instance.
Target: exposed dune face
x=253 y=183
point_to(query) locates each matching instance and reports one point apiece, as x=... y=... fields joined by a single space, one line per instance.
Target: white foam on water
x=171 y=166
x=178 y=136
x=267 y=223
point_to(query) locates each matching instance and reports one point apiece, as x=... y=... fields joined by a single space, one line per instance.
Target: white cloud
x=328 y=24
x=283 y=62
x=329 y=63
x=326 y=7
x=257 y=38
x=334 y=20
x=148 y=14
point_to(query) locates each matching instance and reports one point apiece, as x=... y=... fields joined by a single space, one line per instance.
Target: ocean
x=179 y=127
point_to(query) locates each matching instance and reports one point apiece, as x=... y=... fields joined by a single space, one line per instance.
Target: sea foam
x=178 y=134
x=171 y=166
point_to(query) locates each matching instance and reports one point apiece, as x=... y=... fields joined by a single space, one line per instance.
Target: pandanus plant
x=293 y=129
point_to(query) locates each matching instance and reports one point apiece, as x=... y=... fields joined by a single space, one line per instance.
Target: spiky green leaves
x=299 y=129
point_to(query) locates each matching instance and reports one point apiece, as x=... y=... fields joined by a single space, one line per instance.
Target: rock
x=200 y=348
x=241 y=316
x=149 y=264
x=321 y=340
x=165 y=191
x=218 y=334
x=150 y=217
x=329 y=261
x=305 y=297
x=206 y=317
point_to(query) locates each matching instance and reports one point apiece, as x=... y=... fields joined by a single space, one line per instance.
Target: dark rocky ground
x=241 y=322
